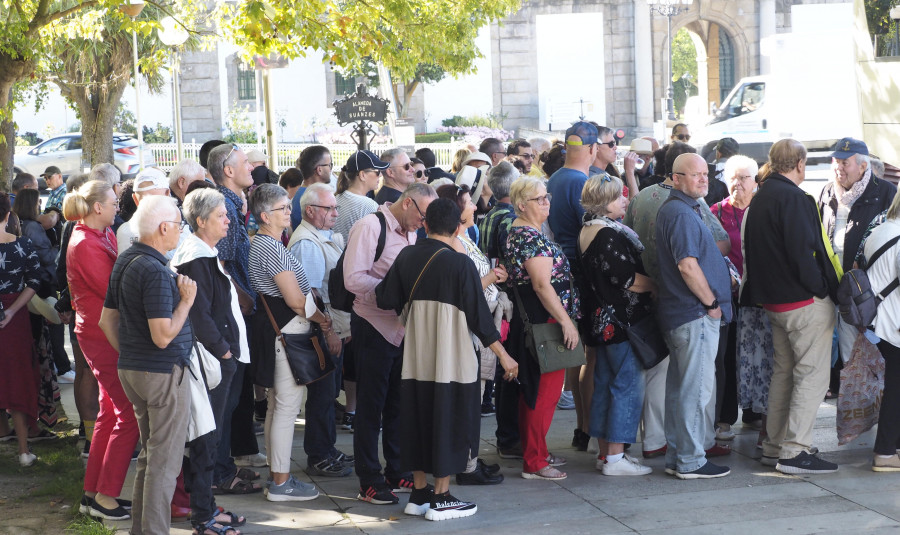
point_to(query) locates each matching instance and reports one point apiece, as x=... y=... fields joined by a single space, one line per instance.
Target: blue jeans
x=618 y=394
x=225 y=468
x=690 y=387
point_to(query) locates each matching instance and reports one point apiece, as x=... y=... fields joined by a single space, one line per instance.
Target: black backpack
x=857 y=302
x=341 y=298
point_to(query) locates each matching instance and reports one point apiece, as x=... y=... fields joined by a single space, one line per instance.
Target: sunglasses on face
x=406 y=167
x=683 y=137
x=233 y=148
x=420 y=173
x=610 y=144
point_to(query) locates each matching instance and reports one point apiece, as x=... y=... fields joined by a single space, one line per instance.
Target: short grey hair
x=106 y=172
x=863 y=159
x=215 y=163
x=500 y=178
x=200 y=204
x=737 y=163
x=605 y=131
x=185 y=168
x=152 y=211
x=76 y=181
x=877 y=166
x=263 y=198
x=419 y=190
x=390 y=154
x=539 y=144
x=312 y=193
x=523 y=189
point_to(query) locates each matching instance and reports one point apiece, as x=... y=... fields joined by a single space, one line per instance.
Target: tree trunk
x=403 y=103
x=97 y=114
x=11 y=71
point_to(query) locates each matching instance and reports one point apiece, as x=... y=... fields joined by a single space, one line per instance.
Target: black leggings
x=887 y=438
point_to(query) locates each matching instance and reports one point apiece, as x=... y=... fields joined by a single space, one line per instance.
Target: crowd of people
x=196 y=299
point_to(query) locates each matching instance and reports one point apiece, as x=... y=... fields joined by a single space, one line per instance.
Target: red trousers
x=116 y=431
x=534 y=424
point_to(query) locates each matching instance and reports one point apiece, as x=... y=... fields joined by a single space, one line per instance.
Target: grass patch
x=437 y=137
x=85 y=525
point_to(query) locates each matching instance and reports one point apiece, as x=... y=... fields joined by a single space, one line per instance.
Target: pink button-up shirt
x=361 y=276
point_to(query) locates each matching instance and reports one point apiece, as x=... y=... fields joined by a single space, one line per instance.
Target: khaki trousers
x=802 y=340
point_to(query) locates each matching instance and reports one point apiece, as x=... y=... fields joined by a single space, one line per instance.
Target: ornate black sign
x=361 y=107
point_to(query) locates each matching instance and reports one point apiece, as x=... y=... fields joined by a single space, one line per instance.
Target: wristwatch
x=712 y=306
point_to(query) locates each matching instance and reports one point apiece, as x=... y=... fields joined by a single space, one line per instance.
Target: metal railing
x=165 y=153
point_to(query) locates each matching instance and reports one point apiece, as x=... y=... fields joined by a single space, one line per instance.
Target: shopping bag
x=862 y=383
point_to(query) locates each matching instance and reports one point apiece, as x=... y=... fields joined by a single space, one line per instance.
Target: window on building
x=343 y=86
x=246 y=83
x=726 y=64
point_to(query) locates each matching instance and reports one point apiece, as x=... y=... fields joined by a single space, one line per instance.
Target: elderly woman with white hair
x=539 y=271
x=280 y=282
x=617 y=292
x=749 y=350
x=219 y=326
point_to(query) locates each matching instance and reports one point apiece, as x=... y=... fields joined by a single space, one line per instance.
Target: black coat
x=214 y=324
x=784 y=250
x=876 y=198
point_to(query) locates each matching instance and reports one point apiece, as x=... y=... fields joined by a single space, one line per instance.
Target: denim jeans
x=690 y=388
x=225 y=467
x=618 y=394
x=204 y=450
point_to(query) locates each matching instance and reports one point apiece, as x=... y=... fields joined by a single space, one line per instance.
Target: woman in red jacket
x=91 y=254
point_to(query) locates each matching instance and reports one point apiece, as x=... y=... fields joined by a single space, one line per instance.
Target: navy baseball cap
x=584 y=131
x=362 y=160
x=848 y=146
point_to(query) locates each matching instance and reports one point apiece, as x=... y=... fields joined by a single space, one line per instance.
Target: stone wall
x=201 y=113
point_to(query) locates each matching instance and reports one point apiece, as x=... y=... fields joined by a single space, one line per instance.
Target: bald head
x=690 y=175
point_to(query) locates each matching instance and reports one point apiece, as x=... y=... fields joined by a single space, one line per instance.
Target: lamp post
x=133 y=8
x=669 y=9
x=173 y=35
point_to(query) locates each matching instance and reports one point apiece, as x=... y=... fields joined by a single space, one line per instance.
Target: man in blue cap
x=848 y=205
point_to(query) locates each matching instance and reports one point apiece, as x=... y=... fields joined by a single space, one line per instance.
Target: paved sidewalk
x=754 y=499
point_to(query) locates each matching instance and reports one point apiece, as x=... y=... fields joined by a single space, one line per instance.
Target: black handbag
x=646 y=339
x=546 y=343
x=306 y=355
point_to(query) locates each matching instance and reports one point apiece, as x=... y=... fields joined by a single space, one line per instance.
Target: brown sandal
x=236 y=485
x=247 y=474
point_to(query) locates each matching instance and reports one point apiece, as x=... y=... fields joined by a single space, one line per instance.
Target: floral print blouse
x=524 y=243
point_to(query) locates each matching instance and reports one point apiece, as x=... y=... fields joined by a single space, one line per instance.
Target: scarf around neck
x=848 y=197
x=622 y=229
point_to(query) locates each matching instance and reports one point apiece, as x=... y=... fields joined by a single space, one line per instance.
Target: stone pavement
x=754 y=499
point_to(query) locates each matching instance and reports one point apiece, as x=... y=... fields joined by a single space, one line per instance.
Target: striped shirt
x=269 y=257
x=351 y=208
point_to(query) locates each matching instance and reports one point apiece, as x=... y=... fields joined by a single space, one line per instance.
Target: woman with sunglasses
x=91 y=254
x=358 y=178
x=539 y=273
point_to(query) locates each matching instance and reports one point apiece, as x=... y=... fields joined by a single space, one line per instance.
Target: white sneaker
x=257 y=460
x=626 y=466
x=724 y=432
x=27 y=459
x=66 y=378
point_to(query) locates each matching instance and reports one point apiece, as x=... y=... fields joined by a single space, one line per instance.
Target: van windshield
x=748 y=98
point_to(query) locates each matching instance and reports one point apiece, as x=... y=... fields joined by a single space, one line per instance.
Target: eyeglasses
x=114 y=204
x=326 y=208
x=181 y=224
x=543 y=199
x=406 y=167
x=692 y=175
x=610 y=144
x=683 y=137
x=285 y=209
x=329 y=165
x=233 y=148
x=421 y=215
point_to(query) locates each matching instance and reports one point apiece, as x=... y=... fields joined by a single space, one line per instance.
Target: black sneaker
x=489 y=468
x=419 y=501
x=581 y=440
x=347 y=420
x=401 y=484
x=445 y=506
x=98 y=511
x=707 y=471
x=377 y=494
x=343 y=458
x=86 y=502
x=329 y=468
x=514 y=452
x=805 y=463
x=487 y=409
x=478 y=477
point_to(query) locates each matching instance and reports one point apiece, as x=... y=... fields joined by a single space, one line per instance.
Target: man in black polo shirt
x=145 y=317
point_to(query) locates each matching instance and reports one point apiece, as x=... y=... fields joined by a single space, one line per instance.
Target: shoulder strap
x=881 y=250
x=271 y=317
x=122 y=275
x=382 y=237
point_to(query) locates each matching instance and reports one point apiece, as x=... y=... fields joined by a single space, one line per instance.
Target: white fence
x=165 y=153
